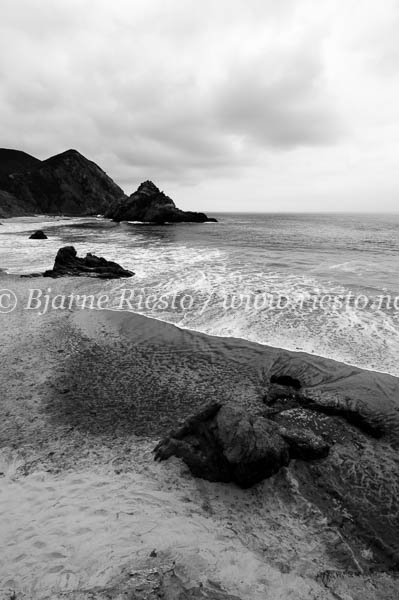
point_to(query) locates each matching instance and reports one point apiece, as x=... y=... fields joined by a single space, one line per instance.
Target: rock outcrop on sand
x=67 y=263
x=67 y=184
x=231 y=443
x=38 y=235
x=149 y=204
x=341 y=427
x=226 y=443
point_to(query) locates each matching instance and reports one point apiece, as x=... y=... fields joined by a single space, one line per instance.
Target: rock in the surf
x=38 y=235
x=67 y=263
x=149 y=204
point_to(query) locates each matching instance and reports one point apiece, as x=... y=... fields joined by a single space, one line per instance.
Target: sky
x=227 y=105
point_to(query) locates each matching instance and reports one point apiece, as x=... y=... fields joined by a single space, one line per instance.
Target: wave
x=215 y=276
x=224 y=304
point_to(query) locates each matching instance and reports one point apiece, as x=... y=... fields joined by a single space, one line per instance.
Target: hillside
x=11 y=206
x=16 y=161
x=67 y=184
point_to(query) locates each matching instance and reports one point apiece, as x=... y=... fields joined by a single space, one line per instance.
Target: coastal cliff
x=67 y=183
x=70 y=184
x=149 y=204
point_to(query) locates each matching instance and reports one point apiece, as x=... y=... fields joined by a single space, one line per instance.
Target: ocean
x=323 y=283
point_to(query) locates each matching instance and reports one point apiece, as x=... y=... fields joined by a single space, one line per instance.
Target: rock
x=197 y=444
x=149 y=204
x=304 y=443
x=67 y=263
x=67 y=184
x=38 y=235
x=353 y=411
x=279 y=398
x=226 y=444
x=251 y=444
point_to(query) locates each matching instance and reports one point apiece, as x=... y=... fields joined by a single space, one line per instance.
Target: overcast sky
x=259 y=105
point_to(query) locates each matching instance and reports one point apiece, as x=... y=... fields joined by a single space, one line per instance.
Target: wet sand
x=86 y=394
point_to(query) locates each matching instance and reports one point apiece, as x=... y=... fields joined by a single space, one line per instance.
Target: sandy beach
x=85 y=396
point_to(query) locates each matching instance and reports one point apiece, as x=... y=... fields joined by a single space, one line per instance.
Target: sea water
x=322 y=283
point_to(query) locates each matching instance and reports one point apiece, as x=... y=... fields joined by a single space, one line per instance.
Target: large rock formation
x=226 y=443
x=149 y=204
x=67 y=263
x=67 y=183
x=70 y=184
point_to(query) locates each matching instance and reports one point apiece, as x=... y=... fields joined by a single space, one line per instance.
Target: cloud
x=278 y=100
x=158 y=86
x=232 y=91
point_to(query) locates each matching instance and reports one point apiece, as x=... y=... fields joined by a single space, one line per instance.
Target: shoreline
x=265 y=344
x=17 y=277
x=313 y=370
x=362 y=337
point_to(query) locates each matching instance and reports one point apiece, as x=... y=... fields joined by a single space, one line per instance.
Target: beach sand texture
x=86 y=394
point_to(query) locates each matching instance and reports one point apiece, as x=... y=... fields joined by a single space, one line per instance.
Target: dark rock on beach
x=67 y=184
x=304 y=443
x=229 y=444
x=149 y=204
x=38 y=235
x=67 y=263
